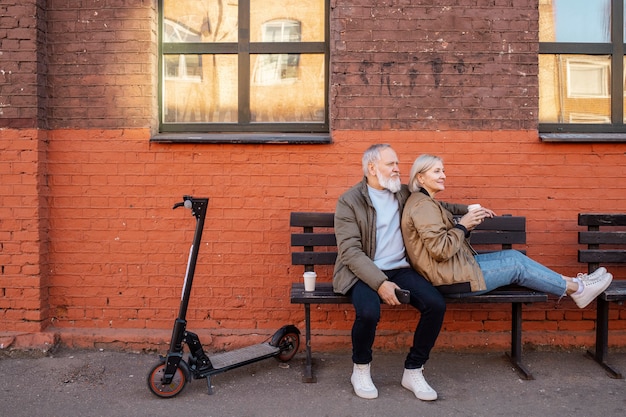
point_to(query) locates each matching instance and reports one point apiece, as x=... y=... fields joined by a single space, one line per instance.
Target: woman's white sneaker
x=413 y=380
x=593 y=276
x=591 y=290
x=362 y=382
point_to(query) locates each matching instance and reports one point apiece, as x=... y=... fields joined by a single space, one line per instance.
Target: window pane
x=287 y=88
x=309 y=14
x=199 y=21
x=200 y=88
x=574 y=89
x=575 y=21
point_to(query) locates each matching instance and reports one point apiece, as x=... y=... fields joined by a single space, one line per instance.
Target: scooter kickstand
x=208 y=384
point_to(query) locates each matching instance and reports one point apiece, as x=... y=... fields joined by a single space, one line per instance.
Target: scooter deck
x=243 y=355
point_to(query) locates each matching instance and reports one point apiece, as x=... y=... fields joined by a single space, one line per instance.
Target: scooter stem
x=198 y=210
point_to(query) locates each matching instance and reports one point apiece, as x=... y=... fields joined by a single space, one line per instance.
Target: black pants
x=424 y=297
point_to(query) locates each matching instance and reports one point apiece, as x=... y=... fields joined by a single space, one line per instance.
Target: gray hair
x=422 y=164
x=372 y=155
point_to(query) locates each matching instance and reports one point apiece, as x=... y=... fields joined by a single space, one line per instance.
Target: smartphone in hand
x=404 y=296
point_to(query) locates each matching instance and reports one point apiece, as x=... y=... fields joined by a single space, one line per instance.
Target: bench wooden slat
x=323 y=294
x=313 y=258
x=313 y=239
x=503 y=223
x=497 y=238
x=615 y=292
x=304 y=219
x=602 y=255
x=503 y=295
x=602 y=238
x=602 y=219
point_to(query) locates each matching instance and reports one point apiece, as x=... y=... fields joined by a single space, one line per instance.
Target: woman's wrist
x=463 y=228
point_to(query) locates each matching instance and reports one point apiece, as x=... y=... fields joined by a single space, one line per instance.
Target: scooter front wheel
x=158 y=388
x=289 y=344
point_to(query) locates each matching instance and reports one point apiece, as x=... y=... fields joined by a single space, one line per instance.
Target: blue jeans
x=424 y=297
x=512 y=267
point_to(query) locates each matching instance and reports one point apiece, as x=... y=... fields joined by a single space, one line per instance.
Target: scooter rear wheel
x=158 y=388
x=288 y=344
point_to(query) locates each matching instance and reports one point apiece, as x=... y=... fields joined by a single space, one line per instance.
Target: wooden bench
x=604 y=247
x=317 y=238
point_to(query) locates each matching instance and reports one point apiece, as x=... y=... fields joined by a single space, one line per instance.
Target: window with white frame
x=587 y=79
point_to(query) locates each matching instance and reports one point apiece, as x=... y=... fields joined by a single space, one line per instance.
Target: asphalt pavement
x=107 y=383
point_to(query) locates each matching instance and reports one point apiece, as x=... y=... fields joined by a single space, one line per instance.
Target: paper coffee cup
x=473 y=207
x=309 y=281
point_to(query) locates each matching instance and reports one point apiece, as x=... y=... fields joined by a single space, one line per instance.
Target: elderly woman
x=438 y=247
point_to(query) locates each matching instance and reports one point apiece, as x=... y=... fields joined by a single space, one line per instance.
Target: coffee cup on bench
x=309 y=281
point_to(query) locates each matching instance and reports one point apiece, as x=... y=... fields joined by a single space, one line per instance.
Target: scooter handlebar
x=187 y=203
x=198 y=206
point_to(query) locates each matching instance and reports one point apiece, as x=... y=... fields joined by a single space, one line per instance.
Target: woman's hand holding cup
x=475 y=216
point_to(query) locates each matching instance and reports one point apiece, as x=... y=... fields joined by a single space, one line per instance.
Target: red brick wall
x=23 y=188
x=23 y=231
x=119 y=251
x=91 y=250
x=22 y=100
x=428 y=65
x=102 y=64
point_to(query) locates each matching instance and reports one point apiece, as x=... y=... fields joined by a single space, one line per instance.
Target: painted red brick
x=91 y=250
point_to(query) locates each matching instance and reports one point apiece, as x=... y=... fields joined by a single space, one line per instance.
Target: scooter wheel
x=288 y=344
x=158 y=388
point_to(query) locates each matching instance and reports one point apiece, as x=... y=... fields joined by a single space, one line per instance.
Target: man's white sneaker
x=362 y=382
x=591 y=290
x=593 y=276
x=413 y=380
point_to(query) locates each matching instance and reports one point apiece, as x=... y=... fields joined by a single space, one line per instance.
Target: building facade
x=111 y=111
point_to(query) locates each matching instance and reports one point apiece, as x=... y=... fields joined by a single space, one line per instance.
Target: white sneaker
x=591 y=290
x=413 y=380
x=593 y=276
x=362 y=382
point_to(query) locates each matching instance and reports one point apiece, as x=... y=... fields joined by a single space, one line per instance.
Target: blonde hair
x=422 y=164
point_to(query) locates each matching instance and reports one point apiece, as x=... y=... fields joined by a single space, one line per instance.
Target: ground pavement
x=106 y=383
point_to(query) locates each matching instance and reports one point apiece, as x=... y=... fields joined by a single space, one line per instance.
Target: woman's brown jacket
x=435 y=248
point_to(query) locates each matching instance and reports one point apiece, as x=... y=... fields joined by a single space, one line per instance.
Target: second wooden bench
x=605 y=238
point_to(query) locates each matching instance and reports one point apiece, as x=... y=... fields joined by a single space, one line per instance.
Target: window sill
x=242 y=138
x=582 y=137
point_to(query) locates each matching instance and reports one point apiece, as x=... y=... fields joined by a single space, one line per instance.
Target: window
x=581 y=70
x=252 y=67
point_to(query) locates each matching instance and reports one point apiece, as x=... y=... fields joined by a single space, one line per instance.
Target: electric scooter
x=170 y=375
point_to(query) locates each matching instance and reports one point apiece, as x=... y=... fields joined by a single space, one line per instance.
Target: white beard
x=392 y=184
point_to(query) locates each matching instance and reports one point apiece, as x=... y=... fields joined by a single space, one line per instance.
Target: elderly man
x=371 y=265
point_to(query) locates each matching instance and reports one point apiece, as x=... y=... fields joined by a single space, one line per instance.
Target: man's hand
x=387 y=293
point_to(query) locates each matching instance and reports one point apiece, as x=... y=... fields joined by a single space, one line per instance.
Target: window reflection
x=574 y=88
x=308 y=12
x=278 y=68
x=206 y=96
x=200 y=21
x=587 y=21
x=289 y=99
x=229 y=81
